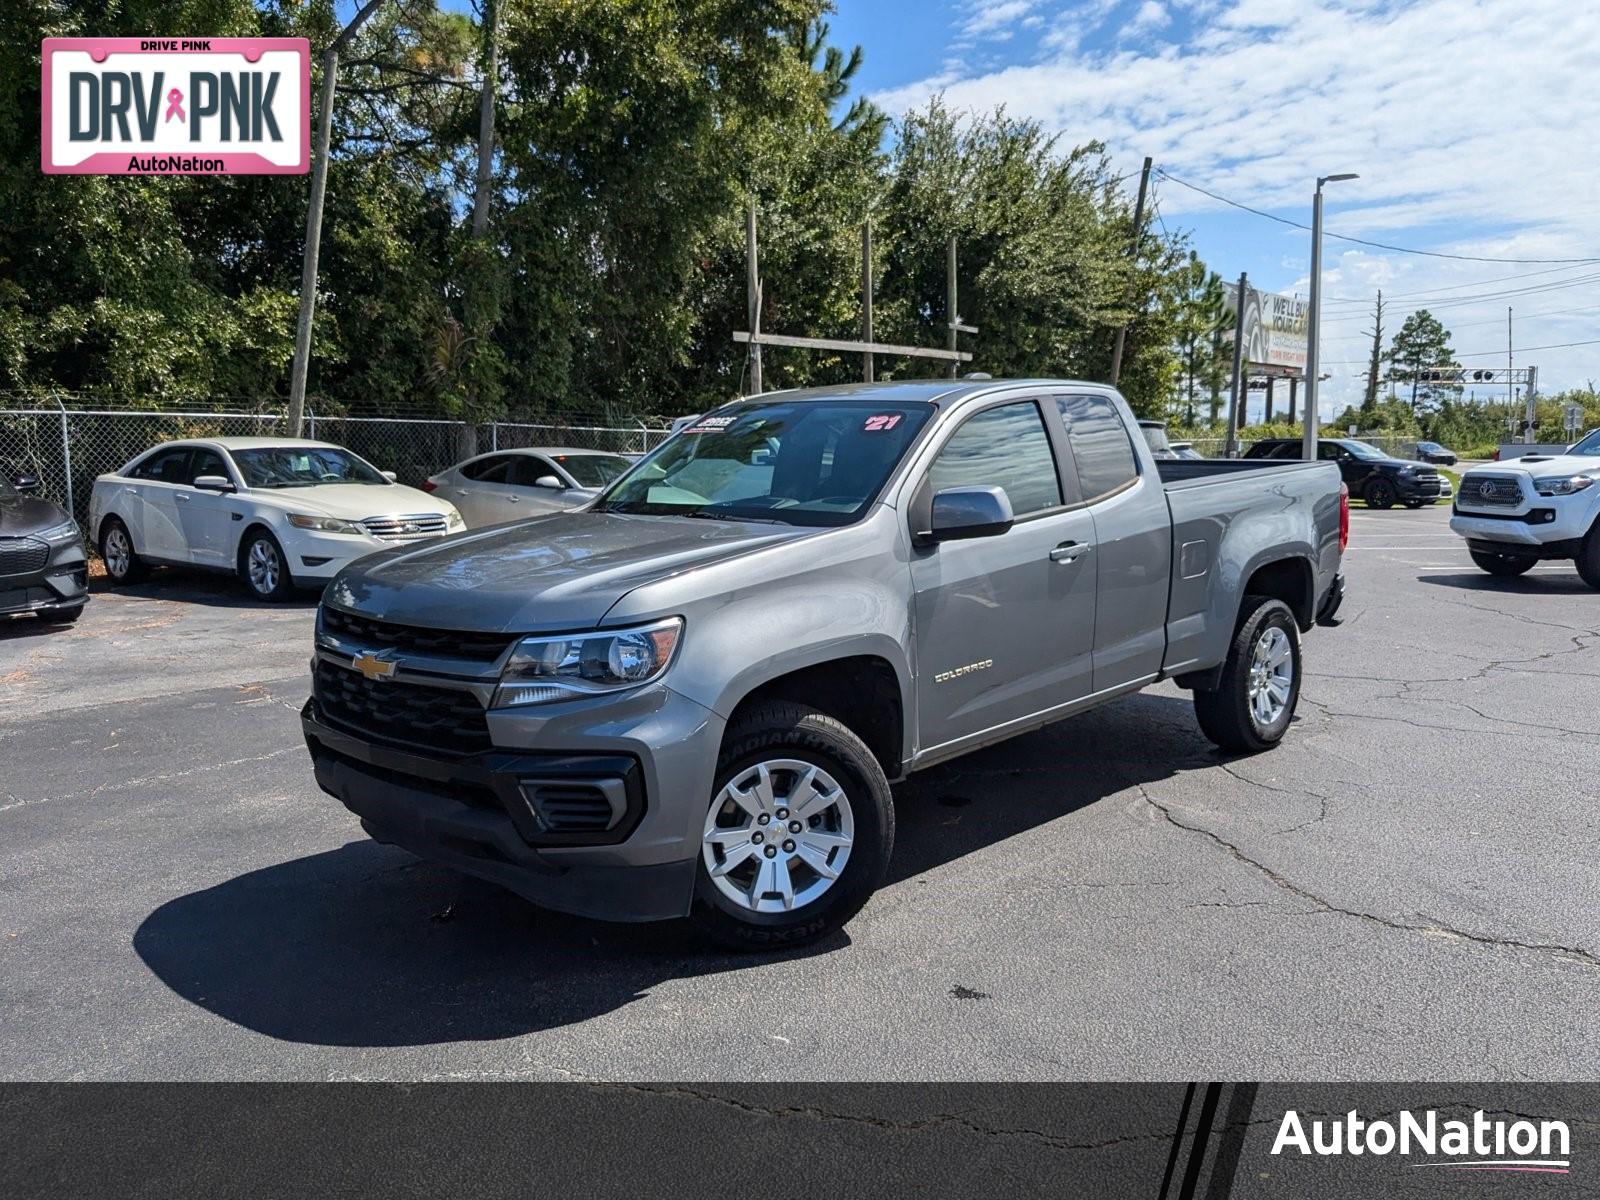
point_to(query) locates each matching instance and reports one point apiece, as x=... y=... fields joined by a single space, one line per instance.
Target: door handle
x=1070 y=552
x=184 y=497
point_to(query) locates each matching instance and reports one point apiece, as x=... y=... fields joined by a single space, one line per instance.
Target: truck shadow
x=367 y=946
x=212 y=589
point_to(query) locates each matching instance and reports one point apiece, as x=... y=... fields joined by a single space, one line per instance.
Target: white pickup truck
x=1517 y=511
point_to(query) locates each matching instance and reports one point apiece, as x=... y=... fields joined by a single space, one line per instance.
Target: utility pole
x=866 y=299
x=752 y=282
x=1308 y=435
x=1133 y=255
x=951 y=310
x=319 y=187
x=1236 y=394
x=1294 y=388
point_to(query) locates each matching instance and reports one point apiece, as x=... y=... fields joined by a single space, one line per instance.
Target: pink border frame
x=233 y=163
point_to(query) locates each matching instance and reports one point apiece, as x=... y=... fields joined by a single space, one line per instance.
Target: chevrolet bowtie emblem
x=373 y=666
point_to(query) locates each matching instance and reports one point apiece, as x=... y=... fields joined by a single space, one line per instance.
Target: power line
x=1194 y=187
x=1361 y=362
x=1467 y=301
x=1452 y=288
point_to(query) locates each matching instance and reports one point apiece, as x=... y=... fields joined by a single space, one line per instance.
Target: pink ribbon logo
x=175 y=105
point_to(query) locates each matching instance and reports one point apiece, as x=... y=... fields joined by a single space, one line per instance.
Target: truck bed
x=1228 y=517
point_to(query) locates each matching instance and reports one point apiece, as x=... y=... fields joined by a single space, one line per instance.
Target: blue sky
x=1470 y=122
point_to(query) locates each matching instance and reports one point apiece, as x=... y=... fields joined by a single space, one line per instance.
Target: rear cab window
x=1100 y=443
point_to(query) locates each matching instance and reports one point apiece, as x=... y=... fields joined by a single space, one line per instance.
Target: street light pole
x=1308 y=436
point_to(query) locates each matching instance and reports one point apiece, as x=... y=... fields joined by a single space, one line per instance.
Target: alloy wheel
x=118 y=552
x=1271 y=676
x=778 y=835
x=263 y=567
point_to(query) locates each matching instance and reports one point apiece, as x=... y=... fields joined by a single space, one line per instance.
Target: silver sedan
x=508 y=485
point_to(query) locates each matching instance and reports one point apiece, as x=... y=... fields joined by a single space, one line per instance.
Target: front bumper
x=321 y=556
x=1409 y=487
x=1537 y=525
x=481 y=813
x=61 y=585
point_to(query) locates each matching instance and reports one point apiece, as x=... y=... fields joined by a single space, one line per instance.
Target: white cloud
x=1149 y=16
x=987 y=17
x=1469 y=121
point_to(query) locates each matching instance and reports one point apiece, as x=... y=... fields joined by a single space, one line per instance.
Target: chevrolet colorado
x=690 y=696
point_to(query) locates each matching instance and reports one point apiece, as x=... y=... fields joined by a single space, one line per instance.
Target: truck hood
x=557 y=572
x=1541 y=465
x=352 y=501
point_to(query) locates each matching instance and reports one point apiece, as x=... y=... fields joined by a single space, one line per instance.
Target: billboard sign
x=1275 y=329
x=175 y=106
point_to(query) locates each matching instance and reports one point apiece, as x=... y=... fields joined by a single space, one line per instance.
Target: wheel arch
x=863 y=692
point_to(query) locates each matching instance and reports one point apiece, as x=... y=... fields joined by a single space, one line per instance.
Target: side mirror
x=969 y=512
x=391 y=476
x=549 y=481
x=25 y=483
x=214 y=483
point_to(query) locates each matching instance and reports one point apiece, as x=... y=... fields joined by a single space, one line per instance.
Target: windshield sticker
x=710 y=424
x=881 y=422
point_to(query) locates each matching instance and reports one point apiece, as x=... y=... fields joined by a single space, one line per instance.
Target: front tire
x=263 y=566
x=797 y=834
x=1252 y=707
x=1379 y=493
x=123 y=565
x=1503 y=566
x=1588 y=561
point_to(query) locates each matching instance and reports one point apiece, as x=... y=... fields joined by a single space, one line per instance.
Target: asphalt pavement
x=1407 y=888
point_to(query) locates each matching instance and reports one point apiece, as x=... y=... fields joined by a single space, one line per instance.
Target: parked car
x=507 y=485
x=690 y=697
x=1432 y=452
x=43 y=567
x=1186 y=450
x=1540 y=506
x=1155 y=435
x=280 y=512
x=1378 y=478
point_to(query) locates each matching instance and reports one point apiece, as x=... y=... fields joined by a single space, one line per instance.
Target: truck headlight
x=1562 y=486
x=545 y=669
x=324 y=524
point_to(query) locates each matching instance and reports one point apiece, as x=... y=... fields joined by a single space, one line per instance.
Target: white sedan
x=278 y=511
x=507 y=485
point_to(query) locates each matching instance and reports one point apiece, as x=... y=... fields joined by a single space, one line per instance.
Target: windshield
x=1362 y=450
x=593 y=470
x=303 y=466
x=813 y=462
x=1589 y=445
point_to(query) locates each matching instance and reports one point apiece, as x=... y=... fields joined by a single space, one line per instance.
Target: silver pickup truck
x=690 y=696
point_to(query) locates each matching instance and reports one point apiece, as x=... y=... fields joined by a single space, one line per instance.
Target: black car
x=1432 y=452
x=1369 y=473
x=43 y=568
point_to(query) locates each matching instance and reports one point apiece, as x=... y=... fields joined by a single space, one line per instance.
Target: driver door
x=1004 y=626
x=206 y=515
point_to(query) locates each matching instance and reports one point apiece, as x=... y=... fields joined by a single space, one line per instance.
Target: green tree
x=1201 y=314
x=1421 y=346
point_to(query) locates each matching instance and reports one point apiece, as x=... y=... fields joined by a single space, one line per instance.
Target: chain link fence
x=65 y=446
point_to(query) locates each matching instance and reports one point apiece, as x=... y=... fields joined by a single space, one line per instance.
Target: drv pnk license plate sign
x=176 y=106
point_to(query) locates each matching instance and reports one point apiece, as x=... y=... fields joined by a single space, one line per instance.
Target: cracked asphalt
x=1405 y=889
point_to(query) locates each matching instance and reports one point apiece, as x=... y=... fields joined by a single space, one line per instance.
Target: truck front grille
x=372 y=634
x=428 y=719
x=406 y=528
x=1489 y=491
x=22 y=556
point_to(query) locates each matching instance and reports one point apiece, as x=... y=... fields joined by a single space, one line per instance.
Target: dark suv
x=1379 y=479
x=42 y=565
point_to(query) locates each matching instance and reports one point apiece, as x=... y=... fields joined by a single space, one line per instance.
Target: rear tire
x=123 y=565
x=263 y=566
x=755 y=864
x=1589 y=558
x=1254 y=703
x=1379 y=493
x=1505 y=566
